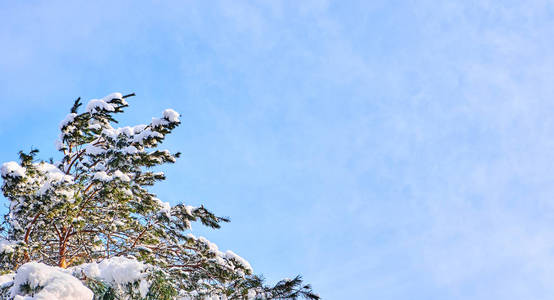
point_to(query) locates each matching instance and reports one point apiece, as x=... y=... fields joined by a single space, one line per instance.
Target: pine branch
x=96 y=205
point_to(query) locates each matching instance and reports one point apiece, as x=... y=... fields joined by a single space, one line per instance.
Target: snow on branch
x=89 y=226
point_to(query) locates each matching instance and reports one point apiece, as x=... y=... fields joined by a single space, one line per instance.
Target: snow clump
x=96 y=105
x=165 y=207
x=117 y=272
x=171 y=115
x=47 y=283
x=243 y=262
x=7 y=246
x=68 y=119
x=103 y=176
x=12 y=169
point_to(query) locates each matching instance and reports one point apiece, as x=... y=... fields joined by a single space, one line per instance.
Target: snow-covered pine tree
x=91 y=217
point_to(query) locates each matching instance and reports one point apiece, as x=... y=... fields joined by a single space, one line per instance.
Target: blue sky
x=382 y=149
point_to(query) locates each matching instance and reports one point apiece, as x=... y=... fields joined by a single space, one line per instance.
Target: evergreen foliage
x=92 y=212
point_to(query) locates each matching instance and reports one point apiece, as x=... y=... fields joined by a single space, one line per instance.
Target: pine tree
x=91 y=213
